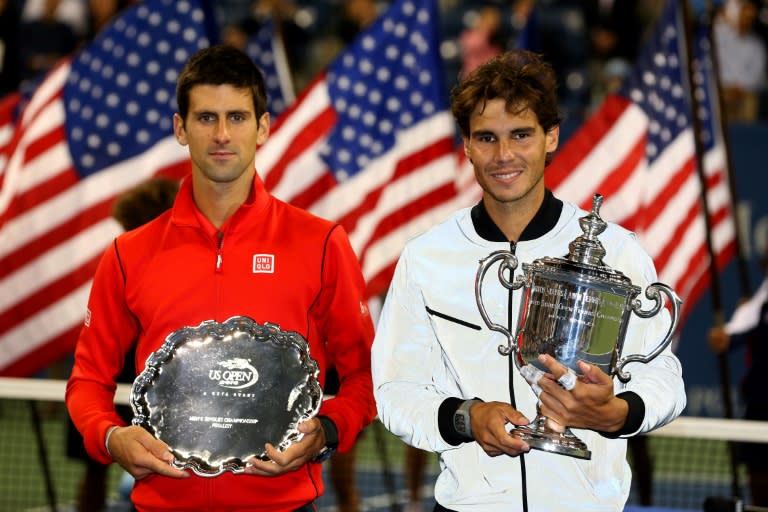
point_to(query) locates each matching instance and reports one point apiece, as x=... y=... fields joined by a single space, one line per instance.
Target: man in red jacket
x=198 y=262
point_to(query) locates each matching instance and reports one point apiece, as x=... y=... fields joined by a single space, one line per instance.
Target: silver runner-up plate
x=216 y=393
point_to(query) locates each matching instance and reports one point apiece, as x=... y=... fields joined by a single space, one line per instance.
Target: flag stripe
x=25 y=256
x=55 y=321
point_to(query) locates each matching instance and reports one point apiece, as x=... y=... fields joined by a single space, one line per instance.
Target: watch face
x=460 y=423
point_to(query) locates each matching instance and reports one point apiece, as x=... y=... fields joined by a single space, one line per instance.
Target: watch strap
x=331 y=439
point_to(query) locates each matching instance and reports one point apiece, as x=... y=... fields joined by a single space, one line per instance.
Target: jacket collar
x=545 y=219
x=186 y=213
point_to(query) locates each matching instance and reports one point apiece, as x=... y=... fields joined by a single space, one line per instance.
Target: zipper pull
x=219 y=244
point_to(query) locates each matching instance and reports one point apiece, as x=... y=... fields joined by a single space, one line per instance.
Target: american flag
x=369 y=143
x=97 y=125
x=638 y=151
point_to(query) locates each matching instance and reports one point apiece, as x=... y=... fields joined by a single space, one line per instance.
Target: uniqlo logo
x=263 y=263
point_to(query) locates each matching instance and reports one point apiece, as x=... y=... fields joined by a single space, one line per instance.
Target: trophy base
x=541 y=437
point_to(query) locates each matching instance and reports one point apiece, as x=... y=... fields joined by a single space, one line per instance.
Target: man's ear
x=178 y=129
x=553 y=138
x=264 y=128
x=465 y=142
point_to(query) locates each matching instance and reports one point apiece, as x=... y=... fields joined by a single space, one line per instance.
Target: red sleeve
x=108 y=334
x=347 y=330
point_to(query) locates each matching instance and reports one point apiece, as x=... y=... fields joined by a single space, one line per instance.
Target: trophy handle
x=652 y=292
x=509 y=263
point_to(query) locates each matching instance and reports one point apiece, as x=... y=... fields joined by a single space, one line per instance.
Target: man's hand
x=295 y=456
x=490 y=428
x=141 y=454
x=591 y=404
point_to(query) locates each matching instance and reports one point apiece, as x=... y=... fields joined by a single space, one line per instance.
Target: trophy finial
x=587 y=248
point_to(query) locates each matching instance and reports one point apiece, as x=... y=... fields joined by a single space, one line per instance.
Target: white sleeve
x=409 y=377
x=747 y=315
x=659 y=383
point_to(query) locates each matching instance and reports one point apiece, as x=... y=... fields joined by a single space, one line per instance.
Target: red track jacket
x=178 y=271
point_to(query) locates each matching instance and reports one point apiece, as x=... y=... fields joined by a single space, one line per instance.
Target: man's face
x=508 y=151
x=222 y=132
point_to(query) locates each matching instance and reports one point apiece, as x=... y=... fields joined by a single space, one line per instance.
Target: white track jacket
x=432 y=344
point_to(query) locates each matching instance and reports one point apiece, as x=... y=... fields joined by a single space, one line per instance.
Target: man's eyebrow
x=226 y=113
x=514 y=131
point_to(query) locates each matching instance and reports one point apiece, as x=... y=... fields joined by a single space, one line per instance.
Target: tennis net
x=679 y=467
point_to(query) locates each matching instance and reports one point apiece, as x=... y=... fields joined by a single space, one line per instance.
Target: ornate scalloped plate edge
x=206 y=332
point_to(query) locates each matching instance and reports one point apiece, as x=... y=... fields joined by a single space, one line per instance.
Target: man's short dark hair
x=221 y=65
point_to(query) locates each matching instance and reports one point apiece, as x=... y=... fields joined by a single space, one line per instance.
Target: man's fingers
x=492 y=423
x=567 y=380
x=592 y=374
x=160 y=459
x=262 y=467
x=161 y=451
x=161 y=468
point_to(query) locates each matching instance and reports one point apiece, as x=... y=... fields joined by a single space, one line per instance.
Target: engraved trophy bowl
x=573 y=308
x=216 y=393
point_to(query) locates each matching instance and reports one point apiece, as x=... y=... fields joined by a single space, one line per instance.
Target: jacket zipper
x=510 y=327
x=219 y=244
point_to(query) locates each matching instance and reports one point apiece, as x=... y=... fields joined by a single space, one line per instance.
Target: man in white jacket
x=749 y=324
x=439 y=381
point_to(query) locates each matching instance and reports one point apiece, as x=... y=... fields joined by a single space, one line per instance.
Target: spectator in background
x=49 y=31
x=483 y=39
x=101 y=12
x=749 y=324
x=44 y=32
x=415 y=467
x=615 y=29
x=349 y=18
x=355 y=16
x=72 y=13
x=342 y=465
x=523 y=31
x=741 y=56
x=285 y=14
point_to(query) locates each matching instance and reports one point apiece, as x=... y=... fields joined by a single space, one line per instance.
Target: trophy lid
x=586 y=248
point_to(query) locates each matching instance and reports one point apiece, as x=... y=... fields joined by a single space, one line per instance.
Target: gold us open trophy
x=573 y=308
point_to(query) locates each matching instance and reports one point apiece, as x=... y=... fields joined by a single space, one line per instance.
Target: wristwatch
x=331 y=439
x=461 y=421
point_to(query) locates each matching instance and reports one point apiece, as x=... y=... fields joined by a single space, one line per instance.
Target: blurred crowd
x=592 y=43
